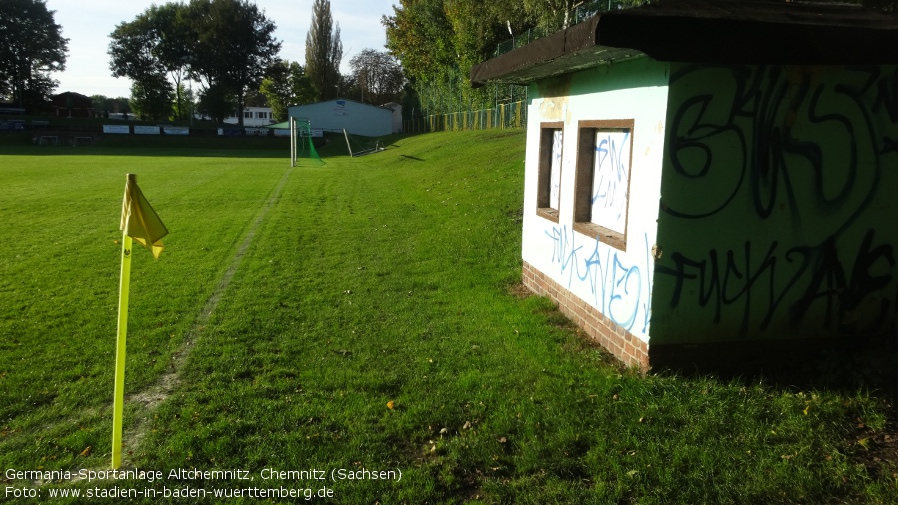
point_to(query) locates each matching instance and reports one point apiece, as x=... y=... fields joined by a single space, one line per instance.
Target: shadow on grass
x=837 y=364
x=868 y=366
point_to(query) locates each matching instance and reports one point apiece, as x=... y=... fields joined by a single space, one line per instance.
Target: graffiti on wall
x=611 y=180
x=846 y=282
x=773 y=203
x=621 y=288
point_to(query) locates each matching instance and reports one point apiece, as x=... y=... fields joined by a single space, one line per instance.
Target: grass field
x=361 y=315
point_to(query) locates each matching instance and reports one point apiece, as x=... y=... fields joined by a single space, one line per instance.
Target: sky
x=88 y=23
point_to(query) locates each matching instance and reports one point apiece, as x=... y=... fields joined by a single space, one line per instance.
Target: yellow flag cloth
x=139 y=220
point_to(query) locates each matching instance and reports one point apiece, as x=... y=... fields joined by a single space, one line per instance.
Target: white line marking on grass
x=151 y=397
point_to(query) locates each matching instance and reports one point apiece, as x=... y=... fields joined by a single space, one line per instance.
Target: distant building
x=253 y=116
x=355 y=117
x=397 y=115
x=71 y=104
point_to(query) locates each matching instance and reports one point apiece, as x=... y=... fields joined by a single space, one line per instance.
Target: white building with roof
x=355 y=117
x=253 y=116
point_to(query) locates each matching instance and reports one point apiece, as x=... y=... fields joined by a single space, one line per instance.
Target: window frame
x=544 y=177
x=585 y=176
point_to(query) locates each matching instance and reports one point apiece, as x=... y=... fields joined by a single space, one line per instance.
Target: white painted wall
x=618 y=283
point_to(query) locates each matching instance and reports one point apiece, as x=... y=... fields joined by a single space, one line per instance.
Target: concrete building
x=356 y=117
x=713 y=175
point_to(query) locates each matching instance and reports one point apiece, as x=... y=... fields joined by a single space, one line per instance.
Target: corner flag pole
x=118 y=403
x=139 y=222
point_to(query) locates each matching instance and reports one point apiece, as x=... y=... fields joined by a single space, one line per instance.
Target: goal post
x=348 y=147
x=372 y=146
x=301 y=144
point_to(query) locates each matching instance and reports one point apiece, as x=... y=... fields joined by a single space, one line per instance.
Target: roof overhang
x=728 y=32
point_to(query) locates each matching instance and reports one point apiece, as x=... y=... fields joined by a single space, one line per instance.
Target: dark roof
x=73 y=95
x=707 y=31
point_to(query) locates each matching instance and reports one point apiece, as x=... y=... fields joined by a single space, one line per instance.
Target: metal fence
x=504 y=115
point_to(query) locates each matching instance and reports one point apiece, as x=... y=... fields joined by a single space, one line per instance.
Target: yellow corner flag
x=140 y=222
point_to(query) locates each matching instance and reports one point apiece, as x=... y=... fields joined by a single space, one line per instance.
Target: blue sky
x=88 y=23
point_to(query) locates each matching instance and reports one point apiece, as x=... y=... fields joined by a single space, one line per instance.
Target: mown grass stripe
x=156 y=393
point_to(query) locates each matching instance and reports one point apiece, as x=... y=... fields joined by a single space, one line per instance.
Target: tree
x=218 y=102
x=438 y=41
x=551 y=14
x=173 y=32
x=151 y=100
x=286 y=84
x=377 y=75
x=224 y=44
x=31 y=47
x=324 y=50
x=106 y=105
x=135 y=53
x=420 y=35
x=234 y=44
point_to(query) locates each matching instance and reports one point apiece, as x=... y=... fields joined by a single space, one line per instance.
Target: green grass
x=364 y=282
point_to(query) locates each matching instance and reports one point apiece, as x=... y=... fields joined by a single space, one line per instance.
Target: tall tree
x=224 y=44
x=378 y=76
x=217 y=102
x=173 y=31
x=31 y=47
x=134 y=53
x=234 y=44
x=324 y=50
x=151 y=100
x=286 y=84
x=420 y=35
x=439 y=40
x=551 y=14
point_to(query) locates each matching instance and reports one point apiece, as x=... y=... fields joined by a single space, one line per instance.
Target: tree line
x=228 y=50
x=438 y=41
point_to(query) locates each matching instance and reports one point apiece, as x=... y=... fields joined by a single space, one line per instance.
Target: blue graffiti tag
x=612 y=178
x=619 y=287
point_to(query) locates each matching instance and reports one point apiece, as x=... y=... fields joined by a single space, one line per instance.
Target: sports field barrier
x=504 y=115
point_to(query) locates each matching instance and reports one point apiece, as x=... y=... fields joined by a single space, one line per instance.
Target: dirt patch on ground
x=516 y=215
x=877 y=450
x=519 y=290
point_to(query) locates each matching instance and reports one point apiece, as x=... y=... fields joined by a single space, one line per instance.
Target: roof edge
x=753 y=32
x=563 y=43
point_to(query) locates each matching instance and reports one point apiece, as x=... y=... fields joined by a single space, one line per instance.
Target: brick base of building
x=622 y=344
